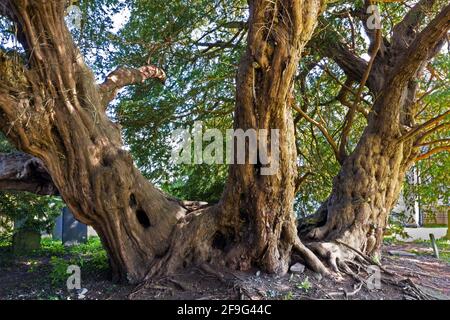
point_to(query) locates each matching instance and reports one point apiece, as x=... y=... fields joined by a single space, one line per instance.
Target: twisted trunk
x=56 y=114
x=260 y=206
x=369 y=182
x=254 y=223
x=364 y=193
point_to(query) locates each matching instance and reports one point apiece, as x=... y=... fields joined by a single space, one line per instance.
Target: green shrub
x=35 y=213
x=52 y=247
x=58 y=273
x=305 y=285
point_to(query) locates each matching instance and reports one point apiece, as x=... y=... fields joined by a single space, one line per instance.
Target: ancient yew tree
x=367 y=187
x=52 y=108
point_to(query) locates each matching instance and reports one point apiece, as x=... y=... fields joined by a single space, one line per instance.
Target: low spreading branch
x=123 y=77
x=22 y=172
x=423 y=47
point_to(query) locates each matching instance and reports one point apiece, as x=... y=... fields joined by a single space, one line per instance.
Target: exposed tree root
x=191 y=243
x=311 y=260
x=347 y=294
x=202 y=239
x=410 y=289
x=332 y=259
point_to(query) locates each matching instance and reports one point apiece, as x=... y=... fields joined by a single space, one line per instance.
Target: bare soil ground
x=420 y=276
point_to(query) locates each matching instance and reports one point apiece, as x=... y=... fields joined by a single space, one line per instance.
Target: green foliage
x=53 y=259
x=200 y=86
x=397 y=221
x=288 y=296
x=320 y=82
x=179 y=36
x=90 y=257
x=28 y=211
x=58 y=274
x=434 y=176
x=5 y=146
x=305 y=285
x=52 y=247
x=443 y=245
x=396 y=228
x=198 y=183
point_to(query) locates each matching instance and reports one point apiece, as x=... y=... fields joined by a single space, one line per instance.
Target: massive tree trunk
x=369 y=182
x=364 y=192
x=51 y=108
x=254 y=224
x=260 y=207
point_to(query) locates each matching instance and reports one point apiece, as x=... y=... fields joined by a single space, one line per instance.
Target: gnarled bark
x=254 y=224
x=260 y=206
x=369 y=182
x=56 y=113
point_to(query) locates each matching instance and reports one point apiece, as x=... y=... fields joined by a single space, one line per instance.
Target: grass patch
x=435 y=225
x=443 y=246
x=53 y=258
x=90 y=257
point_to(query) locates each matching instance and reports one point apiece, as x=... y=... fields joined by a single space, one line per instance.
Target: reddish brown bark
x=54 y=110
x=369 y=182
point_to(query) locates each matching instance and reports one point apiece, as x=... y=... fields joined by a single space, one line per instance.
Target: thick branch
x=404 y=32
x=422 y=47
x=428 y=154
x=352 y=65
x=416 y=130
x=123 y=77
x=22 y=172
